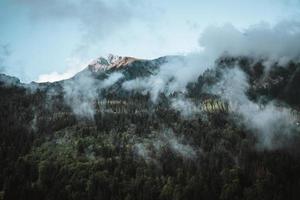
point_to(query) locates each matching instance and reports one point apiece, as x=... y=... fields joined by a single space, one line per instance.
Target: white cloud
x=83 y=90
x=74 y=66
x=172 y=76
x=267 y=122
x=96 y=19
x=150 y=149
x=278 y=43
x=54 y=76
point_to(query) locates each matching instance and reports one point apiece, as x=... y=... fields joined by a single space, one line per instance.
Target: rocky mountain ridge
x=110 y=62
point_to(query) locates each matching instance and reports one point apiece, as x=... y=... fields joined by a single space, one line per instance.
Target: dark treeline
x=47 y=152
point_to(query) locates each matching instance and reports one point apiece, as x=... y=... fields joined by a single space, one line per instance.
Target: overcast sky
x=42 y=40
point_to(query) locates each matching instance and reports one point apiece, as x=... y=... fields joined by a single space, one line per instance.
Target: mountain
x=125 y=128
x=111 y=62
x=131 y=66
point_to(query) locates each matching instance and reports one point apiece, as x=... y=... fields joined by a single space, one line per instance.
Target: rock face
x=111 y=61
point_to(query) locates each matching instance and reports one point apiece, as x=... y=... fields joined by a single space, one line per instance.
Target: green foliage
x=48 y=153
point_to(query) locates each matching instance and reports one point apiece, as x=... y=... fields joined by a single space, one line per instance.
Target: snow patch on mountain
x=109 y=62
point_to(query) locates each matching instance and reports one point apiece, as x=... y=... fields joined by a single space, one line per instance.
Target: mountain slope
x=88 y=137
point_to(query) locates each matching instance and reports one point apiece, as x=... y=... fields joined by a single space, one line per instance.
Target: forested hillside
x=232 y=134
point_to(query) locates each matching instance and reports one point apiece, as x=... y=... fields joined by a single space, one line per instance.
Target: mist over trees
x=221 y=124
x=164 y=149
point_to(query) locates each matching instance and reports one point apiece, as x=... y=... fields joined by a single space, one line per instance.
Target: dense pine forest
x=64 y=140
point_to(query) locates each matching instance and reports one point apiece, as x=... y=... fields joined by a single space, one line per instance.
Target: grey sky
x=59 y=36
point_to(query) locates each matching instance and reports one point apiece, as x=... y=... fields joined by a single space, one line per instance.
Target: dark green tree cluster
x=47 y=152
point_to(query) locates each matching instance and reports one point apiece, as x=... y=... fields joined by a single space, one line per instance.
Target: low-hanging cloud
x=150 y=149
x=81 y=92
x=185 y=107
x=266 y=121
x=272 y=44
x=172 y=76
x=279 y=43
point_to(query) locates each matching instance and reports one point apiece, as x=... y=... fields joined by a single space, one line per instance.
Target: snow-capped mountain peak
x=110 y=61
